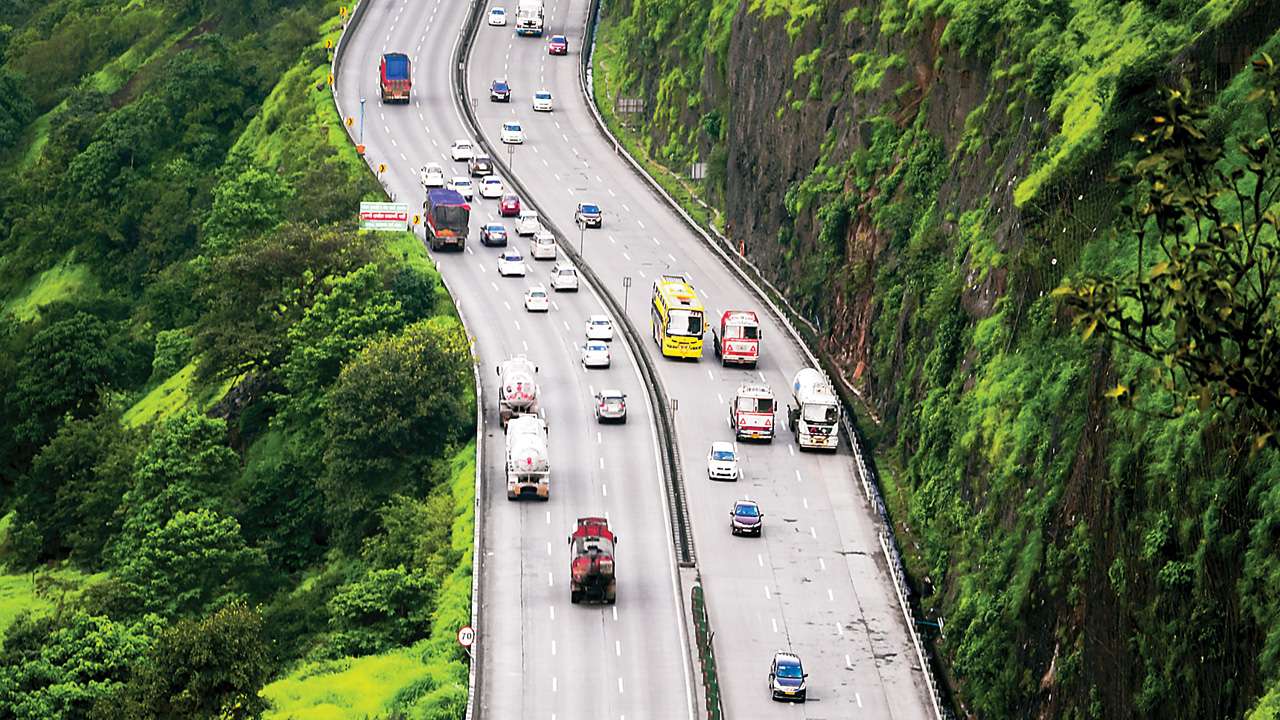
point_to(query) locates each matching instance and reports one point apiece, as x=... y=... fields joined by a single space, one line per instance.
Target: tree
x=61 y=667
x=214 y=667
x=194 y=561
x=393 y=410
x=382 y=609
x=1202 y=301
x=16 y=109
x=247 y=205
x=61 y=372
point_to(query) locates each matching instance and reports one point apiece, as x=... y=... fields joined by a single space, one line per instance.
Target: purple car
x=746 y=519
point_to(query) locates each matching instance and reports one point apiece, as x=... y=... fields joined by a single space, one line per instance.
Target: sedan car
x=480 y=165
x=722 y=461
x=542 y=101
x=558 y=45
x=498 y=17
x=463 y=186
x=512 y=133
x=511 y=264
x=528 y=222
x=589 y=215
x=462 y=150
x=564 y=277
x=599 y=327
x=536 y=299
x=431 y=175
x=500 y=91
x=491 y=187
x=493 y=234
x=745 y=518
x=611 y=405
x=595 y=354
x=787 y=677
x=510 y=205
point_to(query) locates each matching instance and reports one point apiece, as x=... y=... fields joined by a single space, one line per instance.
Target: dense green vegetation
x=1091 y=559
x=235 y=433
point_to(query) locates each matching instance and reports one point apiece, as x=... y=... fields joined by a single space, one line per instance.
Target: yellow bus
x=676 y=317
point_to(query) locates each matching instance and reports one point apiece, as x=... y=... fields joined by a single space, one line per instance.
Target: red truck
x=396 y=80
x=737 y=340
x=591 y=569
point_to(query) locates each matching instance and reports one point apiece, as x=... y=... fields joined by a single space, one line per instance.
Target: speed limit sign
x=466 y=636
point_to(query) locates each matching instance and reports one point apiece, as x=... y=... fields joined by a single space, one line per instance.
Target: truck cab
x=751 y=414
x=814 y=415
x=737 y=338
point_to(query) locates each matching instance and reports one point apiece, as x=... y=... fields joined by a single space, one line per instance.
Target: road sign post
x=466 y=638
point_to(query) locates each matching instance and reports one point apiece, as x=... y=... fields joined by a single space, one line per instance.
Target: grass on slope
x=61 y=281
x=427 y=680
x=38 y=591
x=176 y=392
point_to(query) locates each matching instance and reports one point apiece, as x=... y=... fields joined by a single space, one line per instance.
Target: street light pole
x=361 y=121
x=626 y=292
x=582 y=228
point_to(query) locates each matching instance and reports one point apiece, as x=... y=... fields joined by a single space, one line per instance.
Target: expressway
x=812 y=583
x=543 y=656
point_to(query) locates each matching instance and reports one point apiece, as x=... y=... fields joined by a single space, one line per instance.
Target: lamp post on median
x=626 y=292
x=582 y=228
x=361 y=121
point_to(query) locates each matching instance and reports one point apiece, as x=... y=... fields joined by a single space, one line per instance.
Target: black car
x=589 y=215
x=493 y=234
x=500 y=91
x=480 y=165
x=787 y=677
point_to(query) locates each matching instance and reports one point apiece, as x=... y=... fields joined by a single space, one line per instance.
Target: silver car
x=611 y=405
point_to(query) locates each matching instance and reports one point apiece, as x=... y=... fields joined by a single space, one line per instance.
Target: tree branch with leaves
x=1203 y=300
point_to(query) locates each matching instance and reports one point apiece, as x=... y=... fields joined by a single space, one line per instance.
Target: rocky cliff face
x=917 y=177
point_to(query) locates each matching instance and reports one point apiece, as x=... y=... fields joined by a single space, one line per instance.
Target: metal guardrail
x=751 y=276
x=673 y=476
x=477 y=555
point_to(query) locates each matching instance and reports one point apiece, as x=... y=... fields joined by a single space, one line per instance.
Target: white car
x=491 y=188
x=431 y=175
x=599 y=327
x=536 y=299
x=543 y=246
x=528 y=223
x=511 y=264
x=722 y=461
x=595 y=354
x=564 y=277
x=512 y=133
x=463 y=186
x=542 y=101
x=462 y=150
x=498 y=17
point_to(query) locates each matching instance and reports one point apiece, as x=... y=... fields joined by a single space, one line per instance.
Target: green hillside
x=195 y=342
x=1091 y=516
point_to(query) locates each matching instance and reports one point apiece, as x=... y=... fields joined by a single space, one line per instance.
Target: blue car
x=787 y=677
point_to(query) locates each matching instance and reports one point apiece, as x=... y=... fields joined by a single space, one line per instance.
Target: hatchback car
x=745 y=518
x=431 y=175
x=500 y=91
x=611 y=405
x=491 y=188
x=595 y=354
x=543 y=246
x=564 y=277
x=589 y=215
x=463 y=186
x=510 y=205
x=722 y=461
x=462 y=150
x=512 y=133
x=542 y=101
x=787 y=677
x=558 y=45
x=511 y=264
x=599 y=327
x=528 y=223
x=536 y=299
x=480 y=166
x=493 y=234
x=498 y=17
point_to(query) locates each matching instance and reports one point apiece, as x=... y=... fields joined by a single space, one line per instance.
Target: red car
x=559 y=45
x=510 y=206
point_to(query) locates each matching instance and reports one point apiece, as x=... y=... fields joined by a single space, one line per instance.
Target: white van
x=543 y=245
x=564 y=277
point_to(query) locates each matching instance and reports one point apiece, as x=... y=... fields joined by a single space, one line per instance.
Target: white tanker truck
x=814 y=415
x=528 y=465
x=517 y=390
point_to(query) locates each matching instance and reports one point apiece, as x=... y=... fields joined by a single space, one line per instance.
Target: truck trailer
x=591 y=563
x=448 y=216
x=395 y=78
x=528 y=464
x=814 y=415
x=517 y=391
